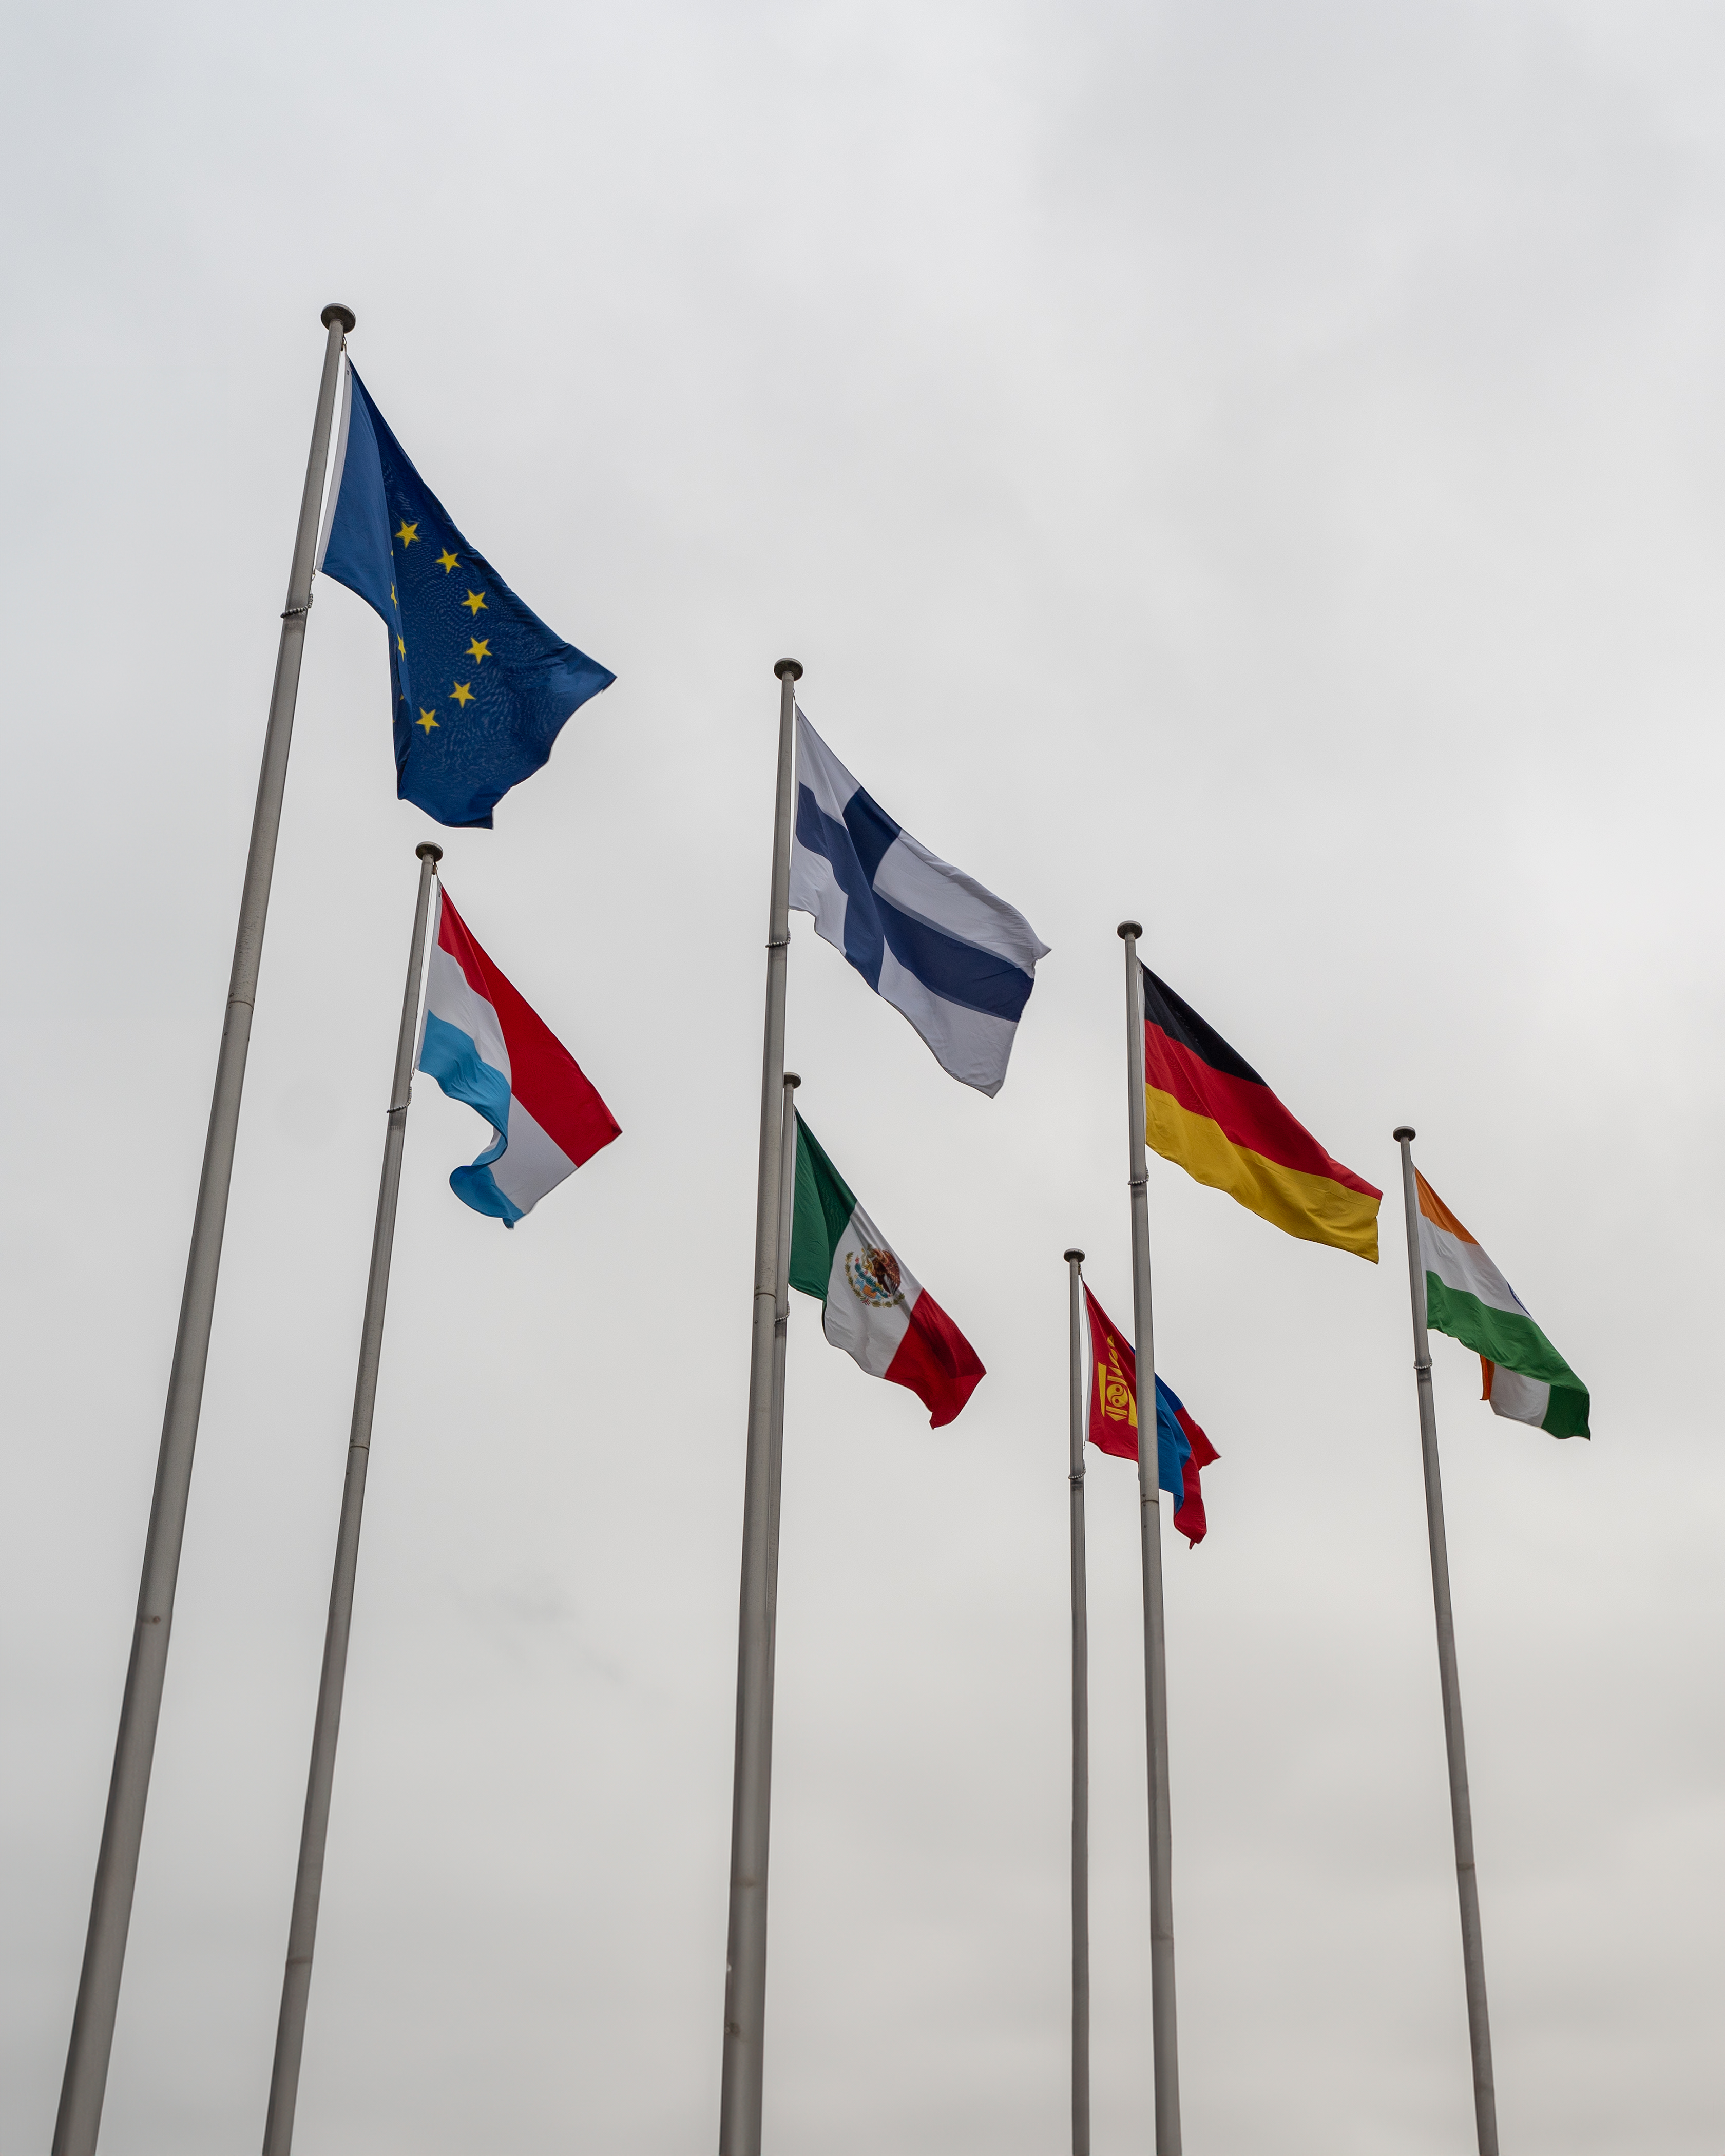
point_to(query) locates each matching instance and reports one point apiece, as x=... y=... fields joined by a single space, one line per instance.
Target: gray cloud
x=1253 y=468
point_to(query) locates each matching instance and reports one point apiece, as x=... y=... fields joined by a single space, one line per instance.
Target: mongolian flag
x=1208 y=1112
x=1182 y=1448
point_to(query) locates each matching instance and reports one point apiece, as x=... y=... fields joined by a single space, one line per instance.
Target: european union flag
x=482 y=686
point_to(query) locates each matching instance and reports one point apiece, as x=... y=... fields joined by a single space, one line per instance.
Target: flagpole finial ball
x=335 y=312
x=791 y=1079
x=1402 y=1131
x=428 y=852
x=793 y=667
x=1129 y=928
x=1069 y=1256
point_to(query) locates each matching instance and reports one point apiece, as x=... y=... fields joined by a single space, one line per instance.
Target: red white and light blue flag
x=484 y=1046
x=1182 y=1448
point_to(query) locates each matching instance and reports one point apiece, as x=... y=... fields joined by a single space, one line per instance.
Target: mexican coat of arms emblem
x=874 y=1277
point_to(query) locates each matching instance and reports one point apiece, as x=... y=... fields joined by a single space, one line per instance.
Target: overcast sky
x=1255 y=467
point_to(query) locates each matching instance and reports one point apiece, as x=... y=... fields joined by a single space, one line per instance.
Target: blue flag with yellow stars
x=482 y=687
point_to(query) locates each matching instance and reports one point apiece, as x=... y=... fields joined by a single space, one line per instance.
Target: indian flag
x=874 y=1310
x=1468 y=1298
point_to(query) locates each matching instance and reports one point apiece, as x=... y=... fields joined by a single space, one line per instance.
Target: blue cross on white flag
x=959 y=963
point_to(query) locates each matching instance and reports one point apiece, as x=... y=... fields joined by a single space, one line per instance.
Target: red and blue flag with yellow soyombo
x=481 y=686
x=1182 y=1448
x=1208 y=1112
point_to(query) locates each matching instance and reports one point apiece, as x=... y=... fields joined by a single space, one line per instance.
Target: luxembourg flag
x=484 y=1045
x=958 y=963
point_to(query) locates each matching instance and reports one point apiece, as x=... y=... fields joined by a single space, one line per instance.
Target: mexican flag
x=1468 y=1298
x=874 y=1310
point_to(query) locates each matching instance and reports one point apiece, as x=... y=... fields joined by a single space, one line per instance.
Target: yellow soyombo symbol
x=1113 y=1391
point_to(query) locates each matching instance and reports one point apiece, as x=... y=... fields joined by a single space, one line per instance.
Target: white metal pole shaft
x=86 y=2077
x=781 y=1329
x=327 y=1725
x=1467 y=1885
x=1081 y=1714
x=1164 y=2034
x=751 y=1786
x=781 y=1335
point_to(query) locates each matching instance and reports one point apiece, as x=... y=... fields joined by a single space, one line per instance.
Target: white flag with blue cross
x=957 y=962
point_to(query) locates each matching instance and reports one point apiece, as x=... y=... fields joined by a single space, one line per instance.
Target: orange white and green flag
x=1468 y=1298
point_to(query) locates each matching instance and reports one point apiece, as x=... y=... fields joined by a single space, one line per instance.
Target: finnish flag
x=959 y=963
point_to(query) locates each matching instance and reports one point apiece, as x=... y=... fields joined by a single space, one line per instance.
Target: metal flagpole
x=1081 y=1724
x=314 y=1831
x=1467 y=1885
x=1164 y=2044
x=92 y=2040
x=752 y=1787
x=781 y=1329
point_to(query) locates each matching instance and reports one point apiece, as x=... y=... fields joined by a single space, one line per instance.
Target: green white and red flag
x=1468 y=1298
x=875 y=1311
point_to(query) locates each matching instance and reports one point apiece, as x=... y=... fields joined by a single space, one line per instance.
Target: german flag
x=1208 y=1112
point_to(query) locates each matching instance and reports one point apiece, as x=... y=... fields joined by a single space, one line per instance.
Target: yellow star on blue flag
x=474 y=715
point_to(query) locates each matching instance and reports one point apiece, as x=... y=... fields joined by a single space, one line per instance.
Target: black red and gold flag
x=1208 y=1110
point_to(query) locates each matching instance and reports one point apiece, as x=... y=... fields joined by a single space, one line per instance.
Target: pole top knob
x=792 y=1080
x=428 y=852
x=1402 y=1131
x=1129 y=928
x=1069 y=1256
x=793 y=667
x=335 y=312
